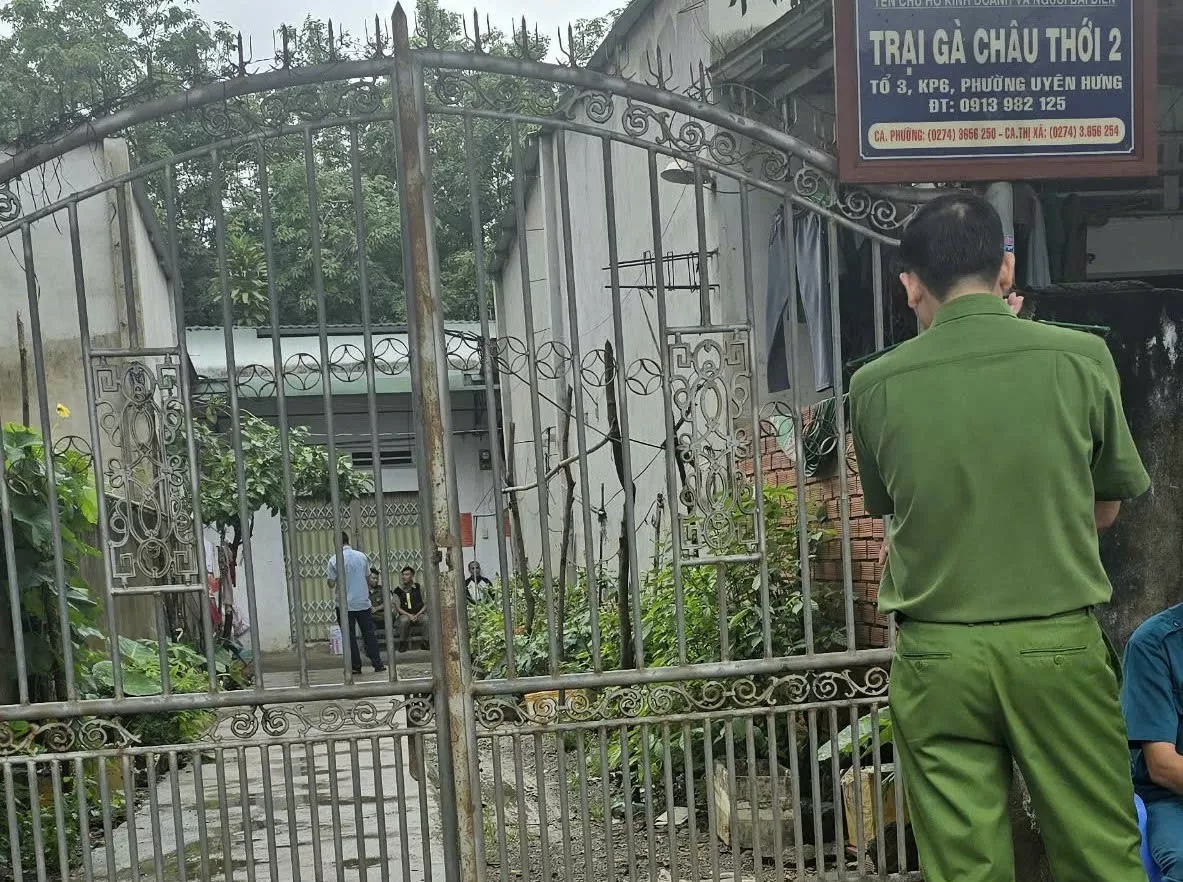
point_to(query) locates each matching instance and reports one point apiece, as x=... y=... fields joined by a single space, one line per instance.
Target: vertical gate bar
x=543 y=816
x=14 y=836
x=585 y=808
x=877 y=289
x=754 y=797
x=840 y=423
x=174 y=781
x=795 y=783
x=564 y=804
x=721 y=611
x=541 y=490
x=789 y=320
x=178 y=295
x=269 y=811
x=380 y=803
x=749 y=286
x=629 y=477
x=877 y=796
x=224 y=817
x=424 y=822
x=129 y=796
x=326 y=379
x=708 y=784
x=335 y=809
x=151 y=763
x=244 y=516
x=704 y=272
x=577 y=394
x=880 y=343
x=727 y=724
x=202 y=822
x=778 y=844
x=816 y=786
x=858 y=835
x=647 y=782
x=367 y=331
x=289 y=788
x=400 y=787
x=104 y=768
x=492 y=411
x=673 y=492
x=134 y=332
x=671 y=826
x=499 y=808
x=550 y=260
x=38 y=840
x=455 y=729
x=162 y=641
x=836 y=793
x=630 y=838
x=520 y=793
x=59 y=564
x=318 y=872
x=358 y=798
x=691 y=803
x=59 y=816
x=14 y=585
x=80 y=786
x=606 y=794
x=281 y=400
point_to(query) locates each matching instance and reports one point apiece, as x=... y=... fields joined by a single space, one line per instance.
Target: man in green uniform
x=999 y=448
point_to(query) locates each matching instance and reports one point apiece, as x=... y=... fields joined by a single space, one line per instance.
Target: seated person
x=1152 y=700
x=410 y=606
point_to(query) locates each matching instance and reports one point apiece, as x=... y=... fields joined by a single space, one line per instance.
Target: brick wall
x=822 y=491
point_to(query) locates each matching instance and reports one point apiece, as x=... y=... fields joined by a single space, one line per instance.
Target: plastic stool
x=1147 y=859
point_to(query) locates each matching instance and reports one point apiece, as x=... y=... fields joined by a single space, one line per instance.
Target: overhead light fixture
x=680 y=172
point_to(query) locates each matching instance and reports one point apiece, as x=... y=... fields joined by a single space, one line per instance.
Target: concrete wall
x=682 y=35
x=54 y=272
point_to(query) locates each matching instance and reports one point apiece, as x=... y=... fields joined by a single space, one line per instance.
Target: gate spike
x=287 y=51
x=241 y=59
x=378 y=48
x=332 y=43
x=476 y=30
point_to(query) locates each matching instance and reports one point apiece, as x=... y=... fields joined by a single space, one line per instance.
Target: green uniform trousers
x=966 y=700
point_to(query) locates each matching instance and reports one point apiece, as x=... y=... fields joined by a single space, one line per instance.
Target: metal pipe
x=458 y=808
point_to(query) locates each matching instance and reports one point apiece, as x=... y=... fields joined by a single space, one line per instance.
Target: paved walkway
x=346 y=810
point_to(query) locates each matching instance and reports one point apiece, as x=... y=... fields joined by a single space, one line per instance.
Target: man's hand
x=883 y=551
x=1015 y=302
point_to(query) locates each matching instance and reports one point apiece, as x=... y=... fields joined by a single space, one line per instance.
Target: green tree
x=262 y=462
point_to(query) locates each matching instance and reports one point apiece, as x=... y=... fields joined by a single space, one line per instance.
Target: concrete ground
x=350 y=809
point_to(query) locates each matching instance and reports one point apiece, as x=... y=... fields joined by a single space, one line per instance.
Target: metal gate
x=659 y=688
x=387 y=530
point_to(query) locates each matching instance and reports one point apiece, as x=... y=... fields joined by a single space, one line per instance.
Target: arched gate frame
x=598 y=747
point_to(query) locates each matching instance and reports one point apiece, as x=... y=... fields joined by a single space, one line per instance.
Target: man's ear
x=1006 y=276
x=913 y=287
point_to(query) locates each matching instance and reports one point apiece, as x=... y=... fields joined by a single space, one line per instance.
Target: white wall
x=684 y=36
x=54 y=270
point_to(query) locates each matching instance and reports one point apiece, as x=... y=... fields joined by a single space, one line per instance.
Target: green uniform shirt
x=989 y=439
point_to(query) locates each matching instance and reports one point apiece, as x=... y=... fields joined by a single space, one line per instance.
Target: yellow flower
x=63 y=411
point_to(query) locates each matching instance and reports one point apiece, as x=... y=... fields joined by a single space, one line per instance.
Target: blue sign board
x=994 y=79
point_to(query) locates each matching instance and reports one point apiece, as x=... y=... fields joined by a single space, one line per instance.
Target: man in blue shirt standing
x=1152 y=699
x=357 y=596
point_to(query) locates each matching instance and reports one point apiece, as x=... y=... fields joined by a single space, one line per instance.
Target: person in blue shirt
x=1152 y=700
x=357 y=597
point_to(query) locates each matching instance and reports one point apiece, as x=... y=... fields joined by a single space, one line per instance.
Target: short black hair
x=344 y=538
x=410 y=570
x=955 y=237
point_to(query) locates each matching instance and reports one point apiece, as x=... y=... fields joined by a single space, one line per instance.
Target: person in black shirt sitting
x=410 y=606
